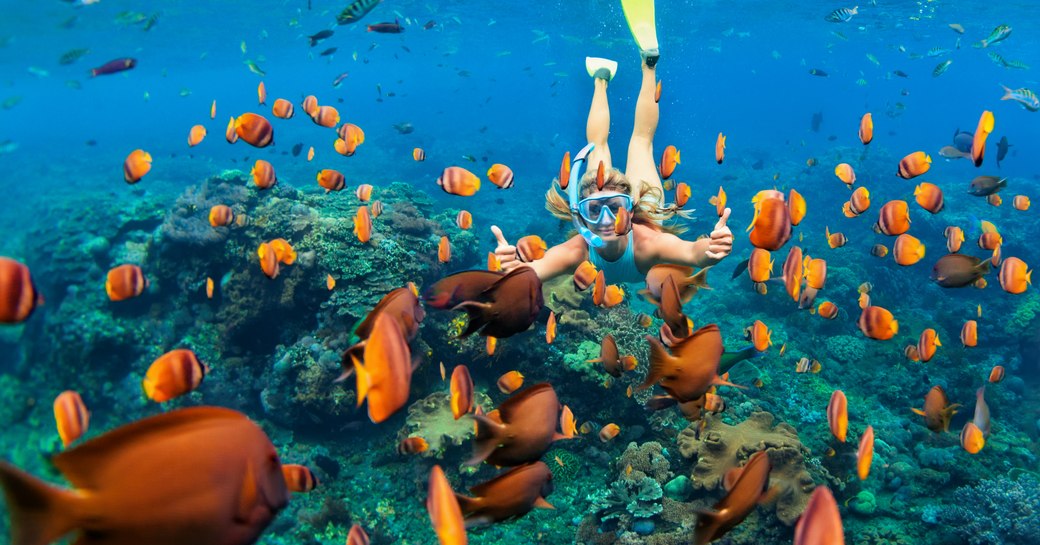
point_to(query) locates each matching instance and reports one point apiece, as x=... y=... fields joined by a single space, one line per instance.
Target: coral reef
x=431 y=419
x=647 y=459
x=719 y=447
x=995 y=511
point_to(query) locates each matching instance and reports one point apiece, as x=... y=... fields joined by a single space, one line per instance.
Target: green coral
x=564 y=464
x=578 y=361
x=844 y=348
x=628 y=499
x=1025 y=312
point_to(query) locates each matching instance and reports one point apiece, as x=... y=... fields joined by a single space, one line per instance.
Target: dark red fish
x=525 y=428
x=386 y=28
x=113 y=67
x=503 y=305
x=511 y=494
x=748 y=489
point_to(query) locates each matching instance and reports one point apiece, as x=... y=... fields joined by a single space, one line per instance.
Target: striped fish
x=1017 y=65
x=842 y=15
x=998 y=34
x=937 y=52
x=942 y=68
x=997 y=59
x=355 y=11
x=1026 y=98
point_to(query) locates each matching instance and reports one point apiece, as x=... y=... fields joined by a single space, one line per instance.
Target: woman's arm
x=558 y=260
x=668 y=248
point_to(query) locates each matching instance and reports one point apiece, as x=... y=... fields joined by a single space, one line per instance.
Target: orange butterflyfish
x=461 y=391
x=613 y=296
x=1015 y=276
x=283 y=251
x=71 y=416
x=363 y=192
x=351 y=133
x=893 y=218
x=1021 y=202
x=310 y=154
x=972 y=439
x=907 y=250
x=209 y=287
x=344 y=147
x=877 y=322
x=330 y=282
x=136 y=165
x=493 y=263
x=929 y=196
x=669 y=159
x=283 y=109
x=268 y=260
x=644 y=320
x=608 y=432
x=996 y=374
x=377 y=209
x=261 y=94
x=363 y=224
x=444 y=250
x=326 y=116
x=879 y=250
x=859 y=202
x=299 y=478
x=827 y=310
x=759 y=335
x=978 y=142
x=911 y=353
x=834 y=240
x=331 y=180
x=714 y=403
x=657 y=92
x=793 y=272
x=866 y=128
x=510 y=382
x=444 y=510
x=994 y=199
x=213 y=110
x=221 y=215
x=195 y=135
x=914 y=165
x=263 y=174
x=230 y=134
x=815 y=271
x=550 y=328
x=357 y=535
x=796 y=207
x=838 y=415
x=500 y=175
x=990 y=240
x=760 y=265
x=937 y=410
x=565 y=170
x=720 y=148
x=719 y=200
x=413 y=445
x=254 y=129
x=629 y=363
x=970 y=333
x=682 y=194
x=865 y=453
x=173 y=374
x=464 y=219
x=490 y=344
x=599 y=289
x=771 y=226
x=954 y=238
x=568 y=424
x=820 y=523
x=845 y=173
x=531 y=248
x=125 y=282
x=310 y=105
x=418 y=154
x=459 y=181
x=927 y=343
x=584 y=275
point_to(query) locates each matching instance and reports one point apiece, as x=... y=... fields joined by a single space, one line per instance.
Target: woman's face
x=599 y=207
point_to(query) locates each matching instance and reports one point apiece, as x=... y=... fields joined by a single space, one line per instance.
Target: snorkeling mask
x=592 y=209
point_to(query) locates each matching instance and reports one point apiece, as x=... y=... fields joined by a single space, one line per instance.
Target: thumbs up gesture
x=721 y=243
x=505 y=251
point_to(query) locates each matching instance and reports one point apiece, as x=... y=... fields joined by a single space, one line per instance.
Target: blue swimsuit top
x=623 y=269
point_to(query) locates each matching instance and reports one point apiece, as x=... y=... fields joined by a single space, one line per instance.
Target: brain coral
x=719 y=447
x=431 y=419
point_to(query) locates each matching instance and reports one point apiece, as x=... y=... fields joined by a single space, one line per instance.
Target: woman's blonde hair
x=646 y=211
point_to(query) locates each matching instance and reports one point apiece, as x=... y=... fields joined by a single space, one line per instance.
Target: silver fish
x=942 y=68
x=841 y=15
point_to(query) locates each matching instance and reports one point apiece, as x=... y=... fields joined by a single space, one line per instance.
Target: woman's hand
x=505 y=251
x=721 y=239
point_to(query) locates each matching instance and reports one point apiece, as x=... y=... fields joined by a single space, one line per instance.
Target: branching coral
x=996 y=511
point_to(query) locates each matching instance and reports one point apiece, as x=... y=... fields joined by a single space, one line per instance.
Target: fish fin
x=717 y=381
x=699 y=280
x=40 y=513
x=730 y=359
x=475 y=311
x=659 y=357
x=485 y=440
x=560 y=437
x=477 y=522
x=917 y=411
x=741 y=268
x=541 y=503
x=468 y=504
x=770 y=495
x=708 y=525
x=364 y=380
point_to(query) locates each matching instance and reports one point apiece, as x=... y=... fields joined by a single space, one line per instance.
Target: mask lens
x=593 y=210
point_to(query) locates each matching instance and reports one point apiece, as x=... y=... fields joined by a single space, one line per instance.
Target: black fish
x=817 y=120
x=297 y=149
x=962 y=140
x=958 y=270
x=315 y=38
x=1002 y=149
x=386 y=28
x=355 y=11
x=757 y=165
x=429 y=24
x=983 y=186
x=328 y=52
x=817 y=72
x=114 y=66
x=900 y=73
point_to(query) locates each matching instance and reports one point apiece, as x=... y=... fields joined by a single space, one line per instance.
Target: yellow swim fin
x=641 y=21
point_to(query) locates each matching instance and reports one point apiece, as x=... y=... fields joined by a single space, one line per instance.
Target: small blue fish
x=942 y=68
x=1026 y=98
x=1000 y=33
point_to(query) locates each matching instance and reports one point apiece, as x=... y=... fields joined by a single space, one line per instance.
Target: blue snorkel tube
x=591 y=238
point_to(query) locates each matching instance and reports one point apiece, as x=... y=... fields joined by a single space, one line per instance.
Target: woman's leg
x=597 y=128
x=641 y=165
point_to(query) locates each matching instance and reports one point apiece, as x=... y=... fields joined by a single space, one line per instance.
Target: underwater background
x=504 y=82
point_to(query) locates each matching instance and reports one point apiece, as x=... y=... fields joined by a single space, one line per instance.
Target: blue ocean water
x=497 y=82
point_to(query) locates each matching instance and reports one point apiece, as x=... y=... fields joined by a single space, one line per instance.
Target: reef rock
x=719 y=447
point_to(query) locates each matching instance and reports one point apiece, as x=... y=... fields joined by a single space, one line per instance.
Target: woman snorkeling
x=594 y=208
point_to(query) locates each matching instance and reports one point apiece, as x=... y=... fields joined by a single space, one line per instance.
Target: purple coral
x=996 y=511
